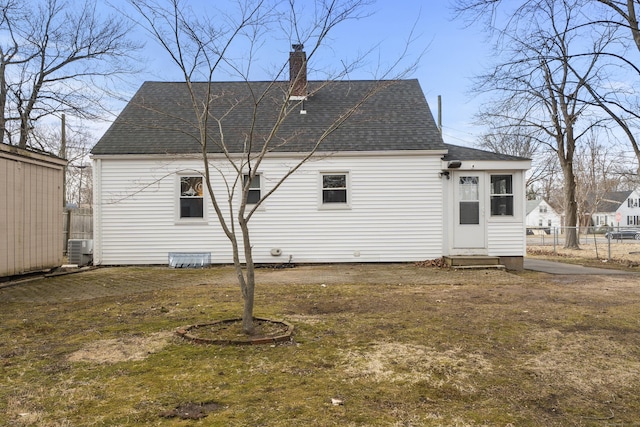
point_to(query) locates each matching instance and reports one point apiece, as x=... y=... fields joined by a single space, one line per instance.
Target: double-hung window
x=254 y=189
x=191 y=197
x=501 y=195
x=335 y=191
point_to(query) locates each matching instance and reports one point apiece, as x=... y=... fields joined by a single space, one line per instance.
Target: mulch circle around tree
x=229 y=332
x=191 y=411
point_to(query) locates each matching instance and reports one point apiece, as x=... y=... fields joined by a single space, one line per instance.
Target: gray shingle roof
x=532 y=204
x=457 y=152
x=159 y=118
x=612 y=200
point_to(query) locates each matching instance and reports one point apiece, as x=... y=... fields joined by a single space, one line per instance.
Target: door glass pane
x=468 y=191
x=468 y=188
x=469 y=213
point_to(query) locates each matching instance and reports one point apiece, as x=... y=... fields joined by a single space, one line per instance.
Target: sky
x=452 y=55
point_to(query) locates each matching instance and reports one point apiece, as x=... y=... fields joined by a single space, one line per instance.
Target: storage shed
x=31 y=205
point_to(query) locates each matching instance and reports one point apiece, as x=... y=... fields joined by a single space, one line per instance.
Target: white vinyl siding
x=507 y=234
x=506 y=239
x=396 y=212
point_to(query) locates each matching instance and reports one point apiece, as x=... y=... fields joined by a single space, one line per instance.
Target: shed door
x=469 y=227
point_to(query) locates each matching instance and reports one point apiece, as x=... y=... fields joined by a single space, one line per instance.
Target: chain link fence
x=607 y=242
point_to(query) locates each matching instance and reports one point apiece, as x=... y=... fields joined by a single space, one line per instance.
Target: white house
x=541 y=214
x=624 y=205
x=383 y=187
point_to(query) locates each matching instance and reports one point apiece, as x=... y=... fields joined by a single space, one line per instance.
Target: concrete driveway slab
x=554 y=267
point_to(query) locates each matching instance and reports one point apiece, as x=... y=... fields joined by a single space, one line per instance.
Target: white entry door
x=469 y=228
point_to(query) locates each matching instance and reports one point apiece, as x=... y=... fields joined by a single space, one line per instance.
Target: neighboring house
x=625 y=203
x=384 y=187
x=31 y=204
x=541 y=214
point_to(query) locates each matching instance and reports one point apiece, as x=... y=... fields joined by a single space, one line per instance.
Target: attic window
x=191 y=197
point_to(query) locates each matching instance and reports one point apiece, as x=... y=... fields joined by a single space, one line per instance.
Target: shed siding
x=31 y=211
x=395 y=213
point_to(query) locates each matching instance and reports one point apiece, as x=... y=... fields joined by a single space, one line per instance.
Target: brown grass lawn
x=375 y=345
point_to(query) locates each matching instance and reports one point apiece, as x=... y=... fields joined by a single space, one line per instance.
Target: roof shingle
x=160 y=118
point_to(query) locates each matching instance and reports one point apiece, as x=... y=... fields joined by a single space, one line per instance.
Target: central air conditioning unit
x=80 y=251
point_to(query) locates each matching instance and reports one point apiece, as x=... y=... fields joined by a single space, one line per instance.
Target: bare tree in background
x=78 y=182
x=56 y=57
x=618 y=95
x=625 y=11
x=540 y=84
x=200 y=45
x=594 y=165
x=506 y=141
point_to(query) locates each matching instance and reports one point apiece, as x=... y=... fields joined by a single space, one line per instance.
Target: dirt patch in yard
x=411 y=363
x=123 y=349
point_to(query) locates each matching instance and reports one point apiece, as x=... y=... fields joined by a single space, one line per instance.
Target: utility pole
x=63 y=155
x=440 y=114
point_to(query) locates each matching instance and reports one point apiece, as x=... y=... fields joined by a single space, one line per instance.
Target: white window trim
x=176 y=197
x=516 y=184
x=334 y=206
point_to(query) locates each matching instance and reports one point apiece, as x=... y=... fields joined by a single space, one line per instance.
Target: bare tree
x=506 y=141
x=78 y=180
x=201 y=47
x=620 y=102
x=594 y=166
x=541 y=84
x=626 y=12
x=55 y=57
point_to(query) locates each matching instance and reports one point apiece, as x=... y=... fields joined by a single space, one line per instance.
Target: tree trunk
x=3 y=99
x=247 y=285
x=570 y=206
x=247 y=311
x=249 y=279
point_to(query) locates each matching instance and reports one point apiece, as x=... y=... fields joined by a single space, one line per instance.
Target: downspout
x=97 y=211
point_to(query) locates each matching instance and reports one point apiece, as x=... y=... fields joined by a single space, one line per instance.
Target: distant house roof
x=612 y=201
x=159 y=119
x=532 y=204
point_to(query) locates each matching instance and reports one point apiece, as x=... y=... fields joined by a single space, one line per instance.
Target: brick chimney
x=298 y=72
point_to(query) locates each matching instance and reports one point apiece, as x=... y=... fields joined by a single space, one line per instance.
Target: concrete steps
x=460 y=262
